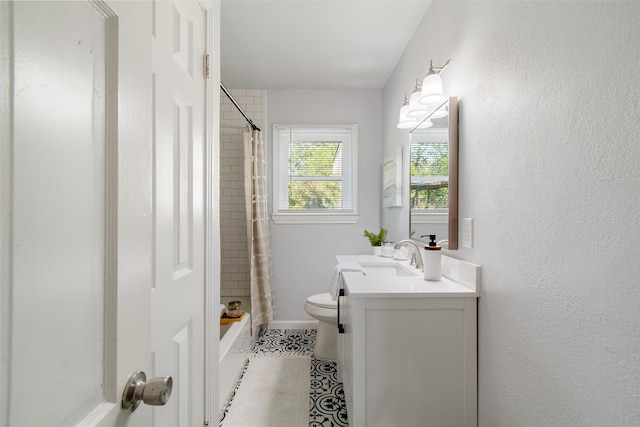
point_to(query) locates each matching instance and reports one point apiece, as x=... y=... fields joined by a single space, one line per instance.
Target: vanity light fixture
x=432 y=85
x=404 y=121
x=436 y=113
x=418 y=109
x=440 y=112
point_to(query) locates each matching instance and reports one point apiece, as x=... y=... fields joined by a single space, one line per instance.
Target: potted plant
x=376 y=240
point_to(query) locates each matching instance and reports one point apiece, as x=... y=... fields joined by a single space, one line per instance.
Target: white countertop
x=460 y=279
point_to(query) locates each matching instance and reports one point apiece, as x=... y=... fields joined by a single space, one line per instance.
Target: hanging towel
x=336 y=279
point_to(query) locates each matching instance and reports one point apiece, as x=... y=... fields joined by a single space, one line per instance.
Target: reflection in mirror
x=433 y=191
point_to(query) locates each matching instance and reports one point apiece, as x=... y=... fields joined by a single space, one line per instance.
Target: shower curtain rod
x=224 y=89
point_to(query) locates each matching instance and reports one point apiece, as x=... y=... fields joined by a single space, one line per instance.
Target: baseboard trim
x=293 y=324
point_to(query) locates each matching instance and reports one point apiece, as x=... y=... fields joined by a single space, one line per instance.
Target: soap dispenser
x=432 y=261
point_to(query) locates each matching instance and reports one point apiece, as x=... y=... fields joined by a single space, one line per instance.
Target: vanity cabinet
x=408 y=353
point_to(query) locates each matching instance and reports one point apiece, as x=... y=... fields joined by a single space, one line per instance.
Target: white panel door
x=101 y=210
x=58 y=281
x=177 y=303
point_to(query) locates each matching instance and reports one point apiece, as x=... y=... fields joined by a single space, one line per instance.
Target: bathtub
x=235 y=345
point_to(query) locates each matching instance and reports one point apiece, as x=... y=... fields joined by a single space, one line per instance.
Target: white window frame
x=286 y=216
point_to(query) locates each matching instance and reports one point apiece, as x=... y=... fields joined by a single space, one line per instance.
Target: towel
x=336 y=279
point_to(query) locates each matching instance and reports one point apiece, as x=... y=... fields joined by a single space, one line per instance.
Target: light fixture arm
x=437 y=70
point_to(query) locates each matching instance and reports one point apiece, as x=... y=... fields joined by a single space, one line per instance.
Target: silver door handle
x=156 y=391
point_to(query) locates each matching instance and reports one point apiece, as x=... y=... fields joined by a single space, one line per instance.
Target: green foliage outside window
x=429 y=159
x=311 y=167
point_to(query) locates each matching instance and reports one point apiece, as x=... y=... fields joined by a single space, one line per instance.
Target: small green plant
x=376 y=239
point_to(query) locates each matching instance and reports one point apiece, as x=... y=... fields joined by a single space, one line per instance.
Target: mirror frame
x=453 y=175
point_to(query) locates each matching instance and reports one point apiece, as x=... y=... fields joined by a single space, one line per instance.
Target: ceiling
x=314 y=44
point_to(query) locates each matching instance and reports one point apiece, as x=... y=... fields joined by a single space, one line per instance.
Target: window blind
x=315 y=168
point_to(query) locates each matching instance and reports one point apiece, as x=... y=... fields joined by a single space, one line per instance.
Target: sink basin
x=386 y=269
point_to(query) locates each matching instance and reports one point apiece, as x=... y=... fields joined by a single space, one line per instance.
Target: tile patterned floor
x=327 y=407
x=326 y=403
x=285 y=343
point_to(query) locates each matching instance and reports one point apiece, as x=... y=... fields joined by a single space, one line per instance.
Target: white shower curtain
x=255 y=187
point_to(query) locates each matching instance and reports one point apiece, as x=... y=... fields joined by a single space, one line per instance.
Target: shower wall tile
x=234 y=276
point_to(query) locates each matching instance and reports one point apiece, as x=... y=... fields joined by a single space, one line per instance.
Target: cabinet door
x=420 y=362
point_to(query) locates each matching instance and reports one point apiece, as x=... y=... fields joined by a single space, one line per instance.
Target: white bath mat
x=272 y=394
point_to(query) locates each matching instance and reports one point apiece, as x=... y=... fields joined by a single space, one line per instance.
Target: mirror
x=433 y=177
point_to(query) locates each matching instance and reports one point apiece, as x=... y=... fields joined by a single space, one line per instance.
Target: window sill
x=306 y=218
x=429 y=218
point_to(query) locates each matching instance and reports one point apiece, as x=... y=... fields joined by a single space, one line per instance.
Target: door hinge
x=205 y=424
x=206 y=66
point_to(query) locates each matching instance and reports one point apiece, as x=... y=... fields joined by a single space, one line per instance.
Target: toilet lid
x=322 y=300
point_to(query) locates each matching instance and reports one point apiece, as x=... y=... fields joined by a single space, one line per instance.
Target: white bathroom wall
x=304 y=255
x=549 y=172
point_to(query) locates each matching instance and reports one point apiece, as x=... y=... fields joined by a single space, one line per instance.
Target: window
x=315 y=173
x=429 y=175
x=429 y=164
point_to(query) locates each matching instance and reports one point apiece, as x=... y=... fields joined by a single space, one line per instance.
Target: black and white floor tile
x=327 y=406
x=285 y=343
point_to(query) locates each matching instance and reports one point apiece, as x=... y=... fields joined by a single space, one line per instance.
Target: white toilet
x=323 y=308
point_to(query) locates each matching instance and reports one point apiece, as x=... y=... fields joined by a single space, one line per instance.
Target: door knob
x=156 y=391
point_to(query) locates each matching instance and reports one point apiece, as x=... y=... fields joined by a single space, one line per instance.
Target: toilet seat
x=323 y=300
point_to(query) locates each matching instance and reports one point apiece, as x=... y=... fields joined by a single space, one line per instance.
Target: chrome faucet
x=416 y=256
